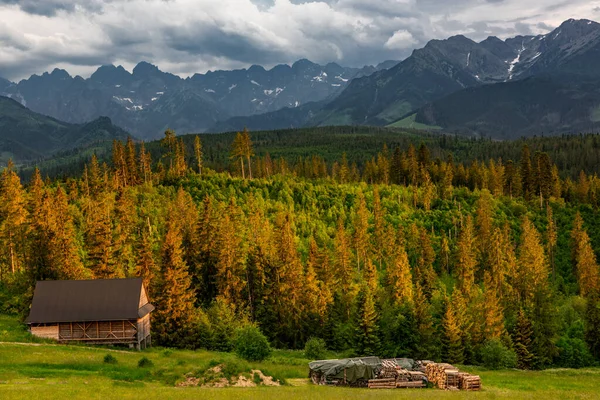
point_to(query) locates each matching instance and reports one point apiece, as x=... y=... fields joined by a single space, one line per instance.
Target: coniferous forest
x=422 y=249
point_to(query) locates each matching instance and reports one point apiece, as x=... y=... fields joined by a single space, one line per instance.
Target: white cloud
x=401 y=39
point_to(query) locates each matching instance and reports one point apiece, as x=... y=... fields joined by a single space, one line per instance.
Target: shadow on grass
x=118 y=373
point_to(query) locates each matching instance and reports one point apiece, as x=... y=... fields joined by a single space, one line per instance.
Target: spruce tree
x=361 y=236
x=13 y=218
x=493 y=322
x=453 y=347
x=367 y=331
x=146 y=267
x=175 y=296
x=522 y=341
x=399 y=278
x=465 y=258
x=588 y=272
x=532 y=266
x=592 y=323
x=198 y=153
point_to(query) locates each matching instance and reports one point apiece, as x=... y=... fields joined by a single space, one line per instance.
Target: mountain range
x=147 y=101
x=525 y=85
x=496 y=87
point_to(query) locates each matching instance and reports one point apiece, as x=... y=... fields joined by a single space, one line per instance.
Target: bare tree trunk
x=242 y=163
x=12 y=253
x=249 y=168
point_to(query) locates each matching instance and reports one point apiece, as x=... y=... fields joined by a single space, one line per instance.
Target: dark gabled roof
x=93 y=300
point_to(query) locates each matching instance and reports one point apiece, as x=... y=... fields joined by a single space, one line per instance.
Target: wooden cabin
x=103 y=311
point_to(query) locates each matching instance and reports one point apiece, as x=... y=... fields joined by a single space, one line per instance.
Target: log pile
x=382 y=383
x=446 y=376
x=410 y=384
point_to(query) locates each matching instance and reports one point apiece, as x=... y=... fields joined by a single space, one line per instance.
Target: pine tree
x=361 y=226
x=588 y=272
x=399 y=278
x=130 y=159
x=545 y=328
x=425 y=273
x=428 y=190
x=423 y=316
x=248 y=150
x=551 y=238
x=287 y=289
x=493 y=323
x=146 y=267
x=526 y=172
x=445 y=254
x=13 y=217
x=465 y=258
x=99 y=237
x=238 y=151
x=522 y=341
x=367 y=332
x=453 y=348
x=592 y=323
x=198 y=153
x=502 y=261
x=532 y=266
x=484 y=227
x=145 y=160
x=62 y=259
x=378 y=239
x=370 y=277
x=231 y=259
x=175 y=296
x=342 y=259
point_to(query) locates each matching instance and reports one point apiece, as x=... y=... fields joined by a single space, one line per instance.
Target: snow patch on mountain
x=319 y=78
x=514 y=62
x=123 y=99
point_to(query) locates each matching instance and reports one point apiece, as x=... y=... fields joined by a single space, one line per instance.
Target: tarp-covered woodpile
x=375 y=373
x=371 y=372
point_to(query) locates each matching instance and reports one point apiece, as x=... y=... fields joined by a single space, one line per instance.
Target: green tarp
x=356 y=368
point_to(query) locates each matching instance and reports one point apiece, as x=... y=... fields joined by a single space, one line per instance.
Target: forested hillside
x=408 y=252
x=571 y=153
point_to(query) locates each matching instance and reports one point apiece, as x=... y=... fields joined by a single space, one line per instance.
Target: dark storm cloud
x=46 y=7
x=211 y=41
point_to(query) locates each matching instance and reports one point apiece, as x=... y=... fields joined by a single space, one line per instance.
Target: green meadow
x=31 y=368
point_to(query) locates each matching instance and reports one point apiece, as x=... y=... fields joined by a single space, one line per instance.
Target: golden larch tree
x=465 y=257
x=532 y=265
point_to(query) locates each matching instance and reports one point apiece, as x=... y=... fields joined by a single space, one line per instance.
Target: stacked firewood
x=469 y=382
x=446 y=376
x=382 y=383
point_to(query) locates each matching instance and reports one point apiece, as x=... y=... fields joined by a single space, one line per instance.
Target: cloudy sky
x=187 y=36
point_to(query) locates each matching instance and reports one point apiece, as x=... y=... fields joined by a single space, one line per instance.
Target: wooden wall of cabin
x=101 y=331
x=45 y=331
x=143 y=327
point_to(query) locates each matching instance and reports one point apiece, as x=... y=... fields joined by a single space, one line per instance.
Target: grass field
x=30 y=369
x=410 y=122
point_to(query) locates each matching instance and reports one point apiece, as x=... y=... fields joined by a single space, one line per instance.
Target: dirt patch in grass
x=215 y=378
